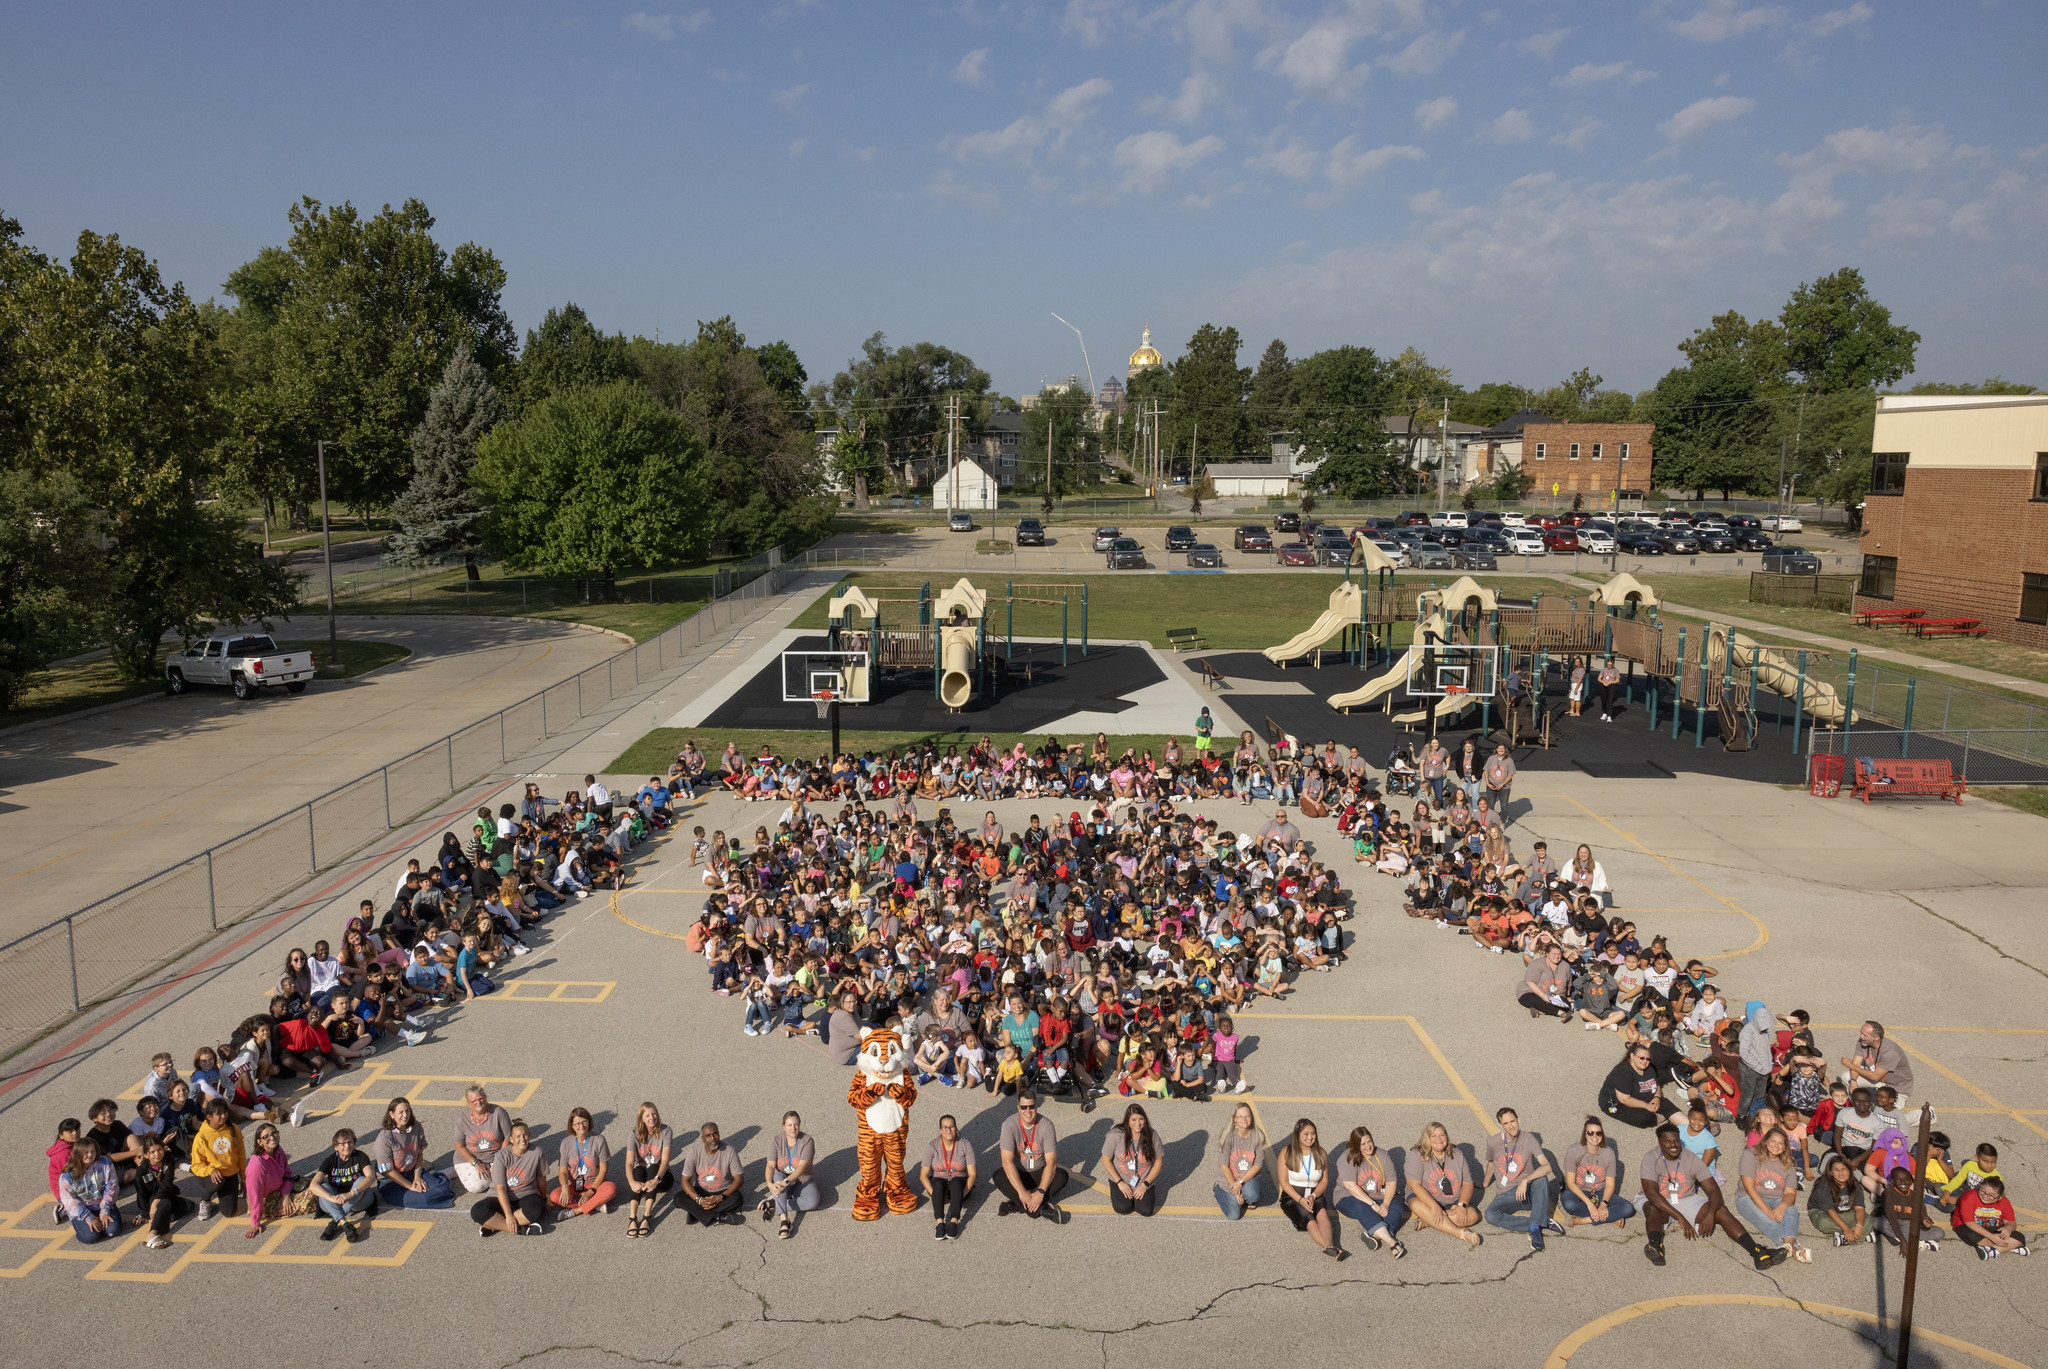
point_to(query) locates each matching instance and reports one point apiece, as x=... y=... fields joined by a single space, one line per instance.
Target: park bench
x=1186 y=639
x=1946 y=627
x=1278 y=736
x=1211 y=676
x=1906 y=779
x=1885 y=617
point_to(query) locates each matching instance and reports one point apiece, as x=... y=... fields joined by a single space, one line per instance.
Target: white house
x=1249 y=479
x=977 y=488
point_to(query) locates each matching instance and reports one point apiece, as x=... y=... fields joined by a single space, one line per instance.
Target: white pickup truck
x=245 y=663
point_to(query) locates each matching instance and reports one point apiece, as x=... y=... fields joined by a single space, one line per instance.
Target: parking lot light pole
x=327 y=559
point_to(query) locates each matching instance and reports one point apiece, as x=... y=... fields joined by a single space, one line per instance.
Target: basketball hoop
x=823 y=699
x=1454 y=689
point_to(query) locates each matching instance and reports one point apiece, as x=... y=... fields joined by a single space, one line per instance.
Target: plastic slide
x=1343 y=612
x=1448 y=710
x=1373 y=690
x=1774 y=672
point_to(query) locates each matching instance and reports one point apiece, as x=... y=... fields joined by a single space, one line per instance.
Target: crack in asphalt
x=2002 y=952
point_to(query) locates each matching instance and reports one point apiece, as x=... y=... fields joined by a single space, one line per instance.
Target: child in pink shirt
x=60 y=1159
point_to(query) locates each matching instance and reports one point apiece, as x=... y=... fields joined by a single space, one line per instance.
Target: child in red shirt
x=1984 y=1219
x=59 y=1155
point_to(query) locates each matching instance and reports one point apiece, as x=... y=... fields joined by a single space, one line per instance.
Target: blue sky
x=1518 y=189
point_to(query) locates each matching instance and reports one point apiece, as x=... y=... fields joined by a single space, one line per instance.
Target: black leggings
x=1144 y=1205
x=531 y=1207
x=225 y=1190
x=169 y=1206
x=949 y=1198
x=1971 y=1238
x=708 y=1216
x=1051 y=1181
x=640 y=1174
x=1537 y=1003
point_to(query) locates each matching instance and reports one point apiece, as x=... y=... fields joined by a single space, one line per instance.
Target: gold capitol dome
x=1146 y=358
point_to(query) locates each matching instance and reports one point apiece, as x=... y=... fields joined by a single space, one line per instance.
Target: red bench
x=1945 y=627
x=1906 y=779
x=1885 y=617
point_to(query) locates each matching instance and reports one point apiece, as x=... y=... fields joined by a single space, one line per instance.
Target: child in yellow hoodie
x=218 y=1159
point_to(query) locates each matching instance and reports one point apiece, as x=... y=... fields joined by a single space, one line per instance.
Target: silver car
x=1105 y=538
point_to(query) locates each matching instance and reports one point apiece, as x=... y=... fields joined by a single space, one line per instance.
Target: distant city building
x=1111 y=395
x=999 y=446
x=1145 y=358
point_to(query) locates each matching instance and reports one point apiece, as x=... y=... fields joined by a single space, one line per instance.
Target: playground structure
x=1710 y=668
x=952 y=638
x=1360 y=617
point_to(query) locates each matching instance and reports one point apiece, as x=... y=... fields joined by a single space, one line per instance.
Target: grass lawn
x=652 y=754
x=2027 y=798
x=1233 y=612
x=88 y=684
x=647 y=604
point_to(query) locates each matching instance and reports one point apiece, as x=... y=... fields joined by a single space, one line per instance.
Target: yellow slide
x=1343 y=612
x=1774 y=672
x=1447 y=710
x=1373 y=690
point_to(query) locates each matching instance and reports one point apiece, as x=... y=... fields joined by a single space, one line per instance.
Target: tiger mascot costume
x=881 y=1097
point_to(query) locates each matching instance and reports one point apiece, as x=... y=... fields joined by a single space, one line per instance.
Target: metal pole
x=386 y=773
x=1906 y=730
x=327 y=558
x=312 y=851
x=1849 y=699
x=1010 y=619
x=451 y=763
x=212 y=906
x=1063 y=629
x=1912 y=1242
x=71 y=947
x=1084 y=619
x=1799 y=705
x=1678 y=686
x=1699 y=712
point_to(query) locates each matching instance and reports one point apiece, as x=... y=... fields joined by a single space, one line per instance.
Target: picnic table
x=1886 y=617
x=1945 y=627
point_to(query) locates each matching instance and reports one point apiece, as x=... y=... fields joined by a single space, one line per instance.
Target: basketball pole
x=832 y=714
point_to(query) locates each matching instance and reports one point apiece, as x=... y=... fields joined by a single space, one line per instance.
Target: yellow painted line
x=1763 y=933
x=1600 y=1326
x=650 y=889
x=556 y=991
x=620 y=914
x=1457 y=1081
x=193 y=1247
x=52 y=861
x=1320 y=1017
x=1969 y=1087
x=1369 y=1102
x=1968 y=1031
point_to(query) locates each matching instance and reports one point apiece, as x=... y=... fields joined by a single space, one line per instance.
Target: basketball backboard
x=842 y=674
x=1442 y=671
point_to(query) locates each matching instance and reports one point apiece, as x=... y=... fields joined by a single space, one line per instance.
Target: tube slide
x=1774 y=672
x=956 y=666
x=1342 y=613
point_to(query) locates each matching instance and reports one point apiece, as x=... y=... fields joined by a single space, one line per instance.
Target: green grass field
x=645 y=604
x=2028 y=799
x=652 y=753
x=88 y=684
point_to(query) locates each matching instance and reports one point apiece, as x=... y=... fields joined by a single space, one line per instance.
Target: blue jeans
x=1436 y=791
x=86 y=1235
x=1619 y=1209
x=349 y=1206
x=757 y=1015
x=1369 y=1221
x=802 y=1198
x=438 y=1194
x=1778 y=1232
x=1503 y=1209
x=1233 y=1208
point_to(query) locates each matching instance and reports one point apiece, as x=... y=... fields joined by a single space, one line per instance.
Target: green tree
x=567 y=352
x=1838 y=338
x=1418 y=390
x=896 y=402
x=1834 y=464
x=347 y=329
x=1062 y=417
x=1344 y=392
x=1997 y=385
x=1209 y=389
x=52 y=575
x=1269 y=407
x=763 y=473
x=438 y=518
x=1489 y=404
x=1759 y=347
x=112 y=376
x=1568 y=400
x=594 y=481
x=1713 y=429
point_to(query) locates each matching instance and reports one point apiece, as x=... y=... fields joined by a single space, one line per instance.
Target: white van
x=1453 y=518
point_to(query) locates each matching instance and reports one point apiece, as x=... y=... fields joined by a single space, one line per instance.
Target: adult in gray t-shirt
x=709 y=1175
x=1030 y=1176
x=518 y=1199
x=790 y=1185
x=1877 y=1060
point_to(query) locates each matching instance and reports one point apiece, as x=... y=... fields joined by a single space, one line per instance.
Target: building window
x=1540 y=451
x=2034 y=599
x=1880 y=577
x=1888 y=472
x=1596 y=451
x=1624 y=451
x=2041 y=475
x=1575 y=451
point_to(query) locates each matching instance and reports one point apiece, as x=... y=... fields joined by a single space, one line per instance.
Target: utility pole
x=1781 y=473
x=327 y=558
x=1443 y=451
x=952 y=450
x=1911 y=1244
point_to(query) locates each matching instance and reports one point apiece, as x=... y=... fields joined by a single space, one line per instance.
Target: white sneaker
x=412 y=1021
x=1612 y=1026
x=1592 y=1026
x=750 y=1031
x=1499 y=951
x=299 y=1113
x=414 y=1038
x=1240 y=1087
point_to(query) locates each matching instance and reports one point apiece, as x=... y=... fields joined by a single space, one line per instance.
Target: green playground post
x=1849 y=699
x=1699 y=712
x=1084 y=619
x=1906 y=728
x=924 y=605
x=1063 y=629
x=1799 y=705
x=1678 y=686
x=1010 y=620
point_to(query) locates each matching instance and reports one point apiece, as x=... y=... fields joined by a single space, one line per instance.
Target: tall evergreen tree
x=438 y=517
x=1273 y=393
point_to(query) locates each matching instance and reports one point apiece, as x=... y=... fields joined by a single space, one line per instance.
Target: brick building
x=1592 y=459
x=1957 y=518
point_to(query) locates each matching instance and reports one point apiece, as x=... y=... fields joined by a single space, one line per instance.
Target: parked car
x=1631 y=543
x=1752 y=539
x=1475 y=556
x=1126 y=554
x=1287 y=522
x=1205 y=554
x=960 y=522
x=1296 y=554
x=1382 y=525
x=244 y=662
x=1030 y=532
x=1252 y=537
x=1430 y=556
x=1785 y=560
x=1561 y=541
x=1396 y=552
x=1595 y=541
x=1489 y=520
x=1105 y=537
x=1677 y=543
x=1547 y=521
x=1450 y=518
x=1782 y=522
x=1179 y=538
x=1334 y=544
x=1715 y=538
x=1527 y=542
x=1738 y=521
x=1513 y=520
x=1414 y=518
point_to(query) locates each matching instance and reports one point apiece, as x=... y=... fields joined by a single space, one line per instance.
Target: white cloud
x=1809 y=200
x=1347 y=167
x=1089 y=20
x=1834 y=21
x=1026 y=134
x=1426 y=55
x=1905 y=220
x=1150 y=159
x=1513 y=126
x=2034 y=153
x=1430 y=113
x=1197 y=90
x=1719 y=20
x=1544 y=45
x=1578 y=135
x=797 y=146
x=1702 y=115
x=791 y=100
x=1297 y=160
x=663 y=27
x=1599 y=73
x=972 y=69
x=1314 y=63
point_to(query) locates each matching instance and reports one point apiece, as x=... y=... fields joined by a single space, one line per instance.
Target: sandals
x=636 y=1226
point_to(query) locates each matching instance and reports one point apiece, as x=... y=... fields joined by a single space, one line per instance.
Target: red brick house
x=1566 y=459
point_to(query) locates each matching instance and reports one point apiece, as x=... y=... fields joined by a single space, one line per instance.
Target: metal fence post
x=543 y=715
x=386 y=772
x=1906 y=727
x=212 y=907
x=312 y=851
x=1965 y=776
x=501 y=736
x=449 y=742
x=71 y=946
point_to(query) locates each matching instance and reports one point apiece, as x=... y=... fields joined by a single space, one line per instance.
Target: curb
x=564 y=622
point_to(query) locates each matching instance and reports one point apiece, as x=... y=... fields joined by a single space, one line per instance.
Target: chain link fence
x=90 y=956
x=1978 y=755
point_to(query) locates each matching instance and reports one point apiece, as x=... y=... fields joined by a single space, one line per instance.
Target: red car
x=1560 y=540
x=1296 y=554
x=1546 y=521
